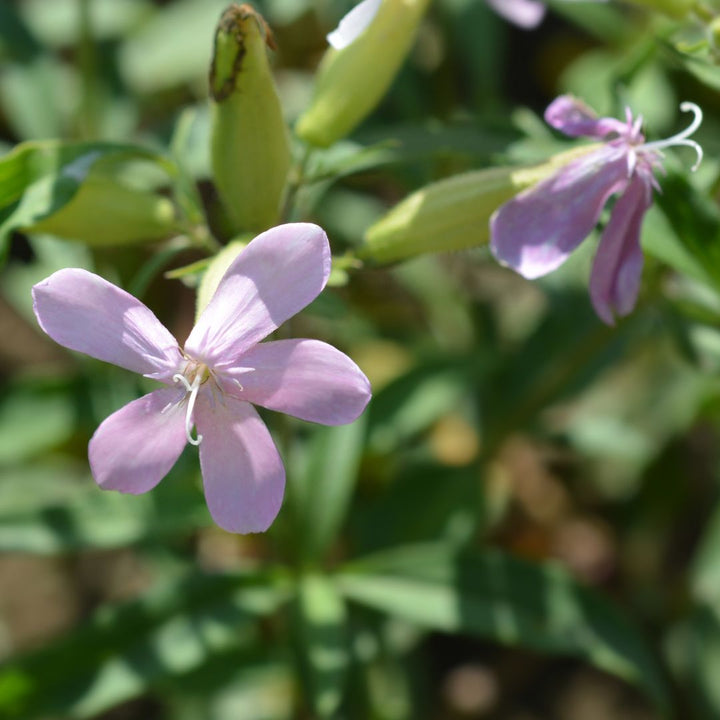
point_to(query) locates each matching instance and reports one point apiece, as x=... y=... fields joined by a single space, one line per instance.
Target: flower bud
x=453 y=214
x=352 y=81
x=216 y=270
x=249 y=139
x=105 y=211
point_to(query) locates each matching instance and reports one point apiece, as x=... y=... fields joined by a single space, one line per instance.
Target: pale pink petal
x=274 y=277
x=536 y=231
x=524 y=13
x=354 y=24
x=136 y=446
x=305 y=378
x=616 y=272
x=242 y=471
x=84 y=312
x=572 y=117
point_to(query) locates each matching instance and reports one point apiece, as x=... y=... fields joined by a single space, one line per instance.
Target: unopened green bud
x=454 y=213
x=104 y=211
x=215 y=271
x=352 y=81
x=714 y=30
x=674 y=8
x=250 y=144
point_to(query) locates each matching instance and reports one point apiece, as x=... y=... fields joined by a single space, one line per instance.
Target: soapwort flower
x=535 y=232
x=526 y=14
x=212 y=381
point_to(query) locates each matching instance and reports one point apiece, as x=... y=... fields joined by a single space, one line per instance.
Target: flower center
x=194 y=375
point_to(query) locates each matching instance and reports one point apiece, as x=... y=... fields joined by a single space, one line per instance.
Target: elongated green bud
x=352 y=81
x=215 y=271
x=106 y=212
x=249 y=138
x=453 y=214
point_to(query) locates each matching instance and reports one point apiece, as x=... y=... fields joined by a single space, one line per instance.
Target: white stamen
x=682 y=137
x=237 y=382
x=193 y=390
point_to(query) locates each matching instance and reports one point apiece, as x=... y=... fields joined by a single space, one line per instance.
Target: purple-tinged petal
x=536 y=231
x=274 y=277
x=616 y=271
x=243 y=474
x=136 y=446
x=572 y=117
x=524 y=13
x=84 y=312
x=354 y=24
x=305 y=378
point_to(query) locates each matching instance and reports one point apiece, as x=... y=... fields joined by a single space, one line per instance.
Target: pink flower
x=535 y=232
x=524 y=13
x=213 y=380
x=527 y=14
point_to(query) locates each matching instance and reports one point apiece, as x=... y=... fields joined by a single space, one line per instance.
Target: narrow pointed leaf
x=322 y=643
x=496 y=596
x=124 y=650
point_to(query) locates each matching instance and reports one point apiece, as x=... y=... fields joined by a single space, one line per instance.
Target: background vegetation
x=524 y=524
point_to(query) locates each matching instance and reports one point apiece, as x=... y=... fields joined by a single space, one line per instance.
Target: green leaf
x=567 y=351
x=425 y=501
x=695 y=654
x=39 y=97
x=705 y=571
x=695 y=220
x=232 y=686
x=16 y=40
x=172 y=48
x=39 y=178
x=34 y=417
x=321 y=493
x=412 y=402
x=464 y=143
x=507 y=600
x=56 y=23
x=56 y=507
x=125 y=650
x=322 y=643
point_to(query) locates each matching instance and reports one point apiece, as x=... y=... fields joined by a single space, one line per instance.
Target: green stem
x=295 y=183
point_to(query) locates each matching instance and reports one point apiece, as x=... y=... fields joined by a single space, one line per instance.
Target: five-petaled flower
x=213 y=380
x=537 y=230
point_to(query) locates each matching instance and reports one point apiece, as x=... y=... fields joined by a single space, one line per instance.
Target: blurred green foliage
x=528 y=515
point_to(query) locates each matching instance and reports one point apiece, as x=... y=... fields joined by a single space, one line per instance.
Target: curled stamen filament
x=193 y=390
x=682 y=137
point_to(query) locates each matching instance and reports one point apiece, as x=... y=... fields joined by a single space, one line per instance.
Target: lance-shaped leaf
x=321 y=493
x=125 y=650
x=322 y=643
x=496 y=596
